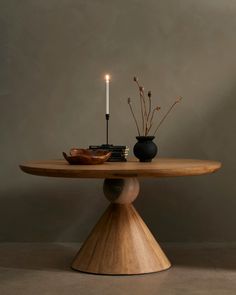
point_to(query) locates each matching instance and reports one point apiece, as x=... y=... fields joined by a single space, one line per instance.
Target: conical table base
x=120 y=244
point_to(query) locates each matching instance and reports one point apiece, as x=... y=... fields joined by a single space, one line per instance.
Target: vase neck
x=145 y=138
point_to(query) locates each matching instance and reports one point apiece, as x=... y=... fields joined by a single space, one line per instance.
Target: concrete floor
x=33 y=269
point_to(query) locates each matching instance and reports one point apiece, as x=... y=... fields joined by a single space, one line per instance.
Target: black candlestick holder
x=119 y=153
x=107 y=129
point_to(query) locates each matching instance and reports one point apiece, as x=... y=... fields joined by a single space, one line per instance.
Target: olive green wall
x=53 y=56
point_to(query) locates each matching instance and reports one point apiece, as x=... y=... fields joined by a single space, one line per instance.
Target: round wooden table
x=121 y=243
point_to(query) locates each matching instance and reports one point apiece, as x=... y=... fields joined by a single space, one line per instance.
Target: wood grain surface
x=121 y=191
x=161 y=167
x=120 y=243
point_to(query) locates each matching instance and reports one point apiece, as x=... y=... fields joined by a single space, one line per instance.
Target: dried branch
x=132 y=112
x=152 y=117
x=167 y=113
x=142 y=94
x=147 y=113
x=148 y=124
x=142 y=104
x=150 y=102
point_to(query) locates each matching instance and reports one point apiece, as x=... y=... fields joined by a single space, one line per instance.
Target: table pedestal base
x=120 y=243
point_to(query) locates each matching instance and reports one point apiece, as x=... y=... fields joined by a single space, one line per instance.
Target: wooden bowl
x=86 y=156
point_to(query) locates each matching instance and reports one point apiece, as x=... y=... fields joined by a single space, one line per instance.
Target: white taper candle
x=107 y=78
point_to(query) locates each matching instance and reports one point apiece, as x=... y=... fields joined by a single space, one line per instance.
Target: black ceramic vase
x=145 y=149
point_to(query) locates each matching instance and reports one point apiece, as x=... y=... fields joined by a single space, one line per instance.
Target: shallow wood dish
x=86 y=156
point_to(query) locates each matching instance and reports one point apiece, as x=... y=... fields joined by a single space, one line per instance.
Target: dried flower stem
x=149 y=106
x=142 y=112
x=149 y=122
x=147 y=113
x=152 y=117
x=141 y=103
x=144 y=102
x=132 y=112
x=143 y=107
x=167 y=113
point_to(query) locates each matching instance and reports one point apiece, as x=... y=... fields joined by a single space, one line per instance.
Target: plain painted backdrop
x=53 y=56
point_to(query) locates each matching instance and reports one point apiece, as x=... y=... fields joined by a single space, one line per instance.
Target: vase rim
x=150 y=137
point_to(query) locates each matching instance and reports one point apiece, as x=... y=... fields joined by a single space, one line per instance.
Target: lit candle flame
x=107 y=78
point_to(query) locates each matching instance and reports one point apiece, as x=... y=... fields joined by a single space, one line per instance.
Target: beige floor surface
x=44 y=269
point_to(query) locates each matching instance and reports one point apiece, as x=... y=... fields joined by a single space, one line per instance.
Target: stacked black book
x=119 y=153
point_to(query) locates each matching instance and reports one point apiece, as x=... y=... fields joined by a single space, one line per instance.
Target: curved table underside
x=161 y=167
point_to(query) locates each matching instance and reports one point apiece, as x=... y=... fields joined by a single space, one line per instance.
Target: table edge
x=124 y=174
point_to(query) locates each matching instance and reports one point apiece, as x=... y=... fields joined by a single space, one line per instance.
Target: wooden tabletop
x=161 y=167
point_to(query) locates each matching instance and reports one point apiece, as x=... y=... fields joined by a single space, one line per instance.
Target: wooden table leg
x=120 y=243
